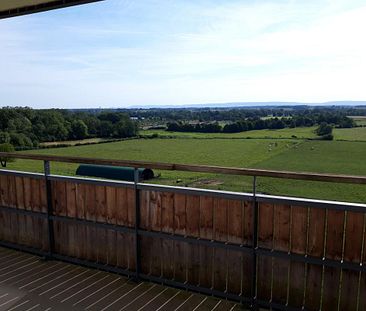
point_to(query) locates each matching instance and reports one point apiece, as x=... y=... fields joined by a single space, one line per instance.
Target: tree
x=4 y=137
x=324 y=129
x=79 y=130
x=6 y=148
x=106 y=129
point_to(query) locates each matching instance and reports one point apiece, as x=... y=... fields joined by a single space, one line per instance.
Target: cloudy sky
x=120 y=53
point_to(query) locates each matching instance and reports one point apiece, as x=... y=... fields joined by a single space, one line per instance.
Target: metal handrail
x=335 y=178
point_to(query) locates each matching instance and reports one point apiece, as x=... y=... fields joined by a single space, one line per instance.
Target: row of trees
x=257 y=123
x=233 y=114
x=26 y=127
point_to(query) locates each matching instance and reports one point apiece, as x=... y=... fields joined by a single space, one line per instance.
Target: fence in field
x=265 y=251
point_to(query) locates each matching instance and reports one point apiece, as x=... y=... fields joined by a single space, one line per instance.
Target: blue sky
x=120 y=53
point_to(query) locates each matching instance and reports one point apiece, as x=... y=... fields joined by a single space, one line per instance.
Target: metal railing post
x=254 y=305
x=137 y=224
x=50 y=231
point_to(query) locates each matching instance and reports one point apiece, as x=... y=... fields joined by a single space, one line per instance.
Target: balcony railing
x=261 y=250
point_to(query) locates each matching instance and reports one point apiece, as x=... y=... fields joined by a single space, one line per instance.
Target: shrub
x=6 y=148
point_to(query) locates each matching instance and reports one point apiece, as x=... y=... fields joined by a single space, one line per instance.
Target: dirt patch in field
x=208 y=182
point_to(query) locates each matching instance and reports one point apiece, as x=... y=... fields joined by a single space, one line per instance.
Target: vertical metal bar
x=51 y=234
x=137 y=224
x=254 y=305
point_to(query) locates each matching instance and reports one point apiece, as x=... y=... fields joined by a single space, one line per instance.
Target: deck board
x=28 y=283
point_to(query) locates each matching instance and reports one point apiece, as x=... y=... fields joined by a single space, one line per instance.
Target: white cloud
x=217 y=52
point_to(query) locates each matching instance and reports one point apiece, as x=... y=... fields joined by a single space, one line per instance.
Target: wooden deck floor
x=29 y=283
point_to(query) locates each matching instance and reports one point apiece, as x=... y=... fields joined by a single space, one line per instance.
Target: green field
x=360 y=120
x=282 y=154
x=300 y=132
x=351 y=134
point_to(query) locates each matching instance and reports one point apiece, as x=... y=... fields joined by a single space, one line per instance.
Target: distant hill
x=292 y=105
x=255 y=104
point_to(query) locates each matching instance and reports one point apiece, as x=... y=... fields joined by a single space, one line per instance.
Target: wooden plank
x=71 y=212
x=299 y=227
x=101 y=216
x=11 y=202
x=265 y=240
x=167 y=212
x=354 y=237
x=131 y=208
x=168 y=227
x=146 y=254
x=349 y=290
x=235 y=235
x=206 y=232
x=4 y=202
x=155 y=212
x=90 y=213
x=27 y=193
x=12 y=198
x=122 y=250
x=180 y=217
x=180 y=220
x=335 y=226
x=43 y=189
x=20 y=205
x=281 y=242
x=122 y=220
x=29 y=240
x=352 y=253
x=193 y=230
x=112 y=211
x=315 y=247
x=248 y=223
x=122 y=209
x=247 y=271
x=36 y=207
x=144 y=210
x=81 y=214
x=362 y=303
x=61 y=210
x=331 y=288
x=220 y=234
x=333 y=250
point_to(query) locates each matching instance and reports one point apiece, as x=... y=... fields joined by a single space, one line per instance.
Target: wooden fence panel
x=22 y=229
x=336 y=235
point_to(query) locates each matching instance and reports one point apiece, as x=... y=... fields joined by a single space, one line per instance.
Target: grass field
x=300 y=132
x=284 y=154
x=360 y=120
x=352 y=134
x=76 y=142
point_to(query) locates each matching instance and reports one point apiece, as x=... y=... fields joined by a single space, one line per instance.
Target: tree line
x=335 y=119
x=234 y=114
x=27 y=127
